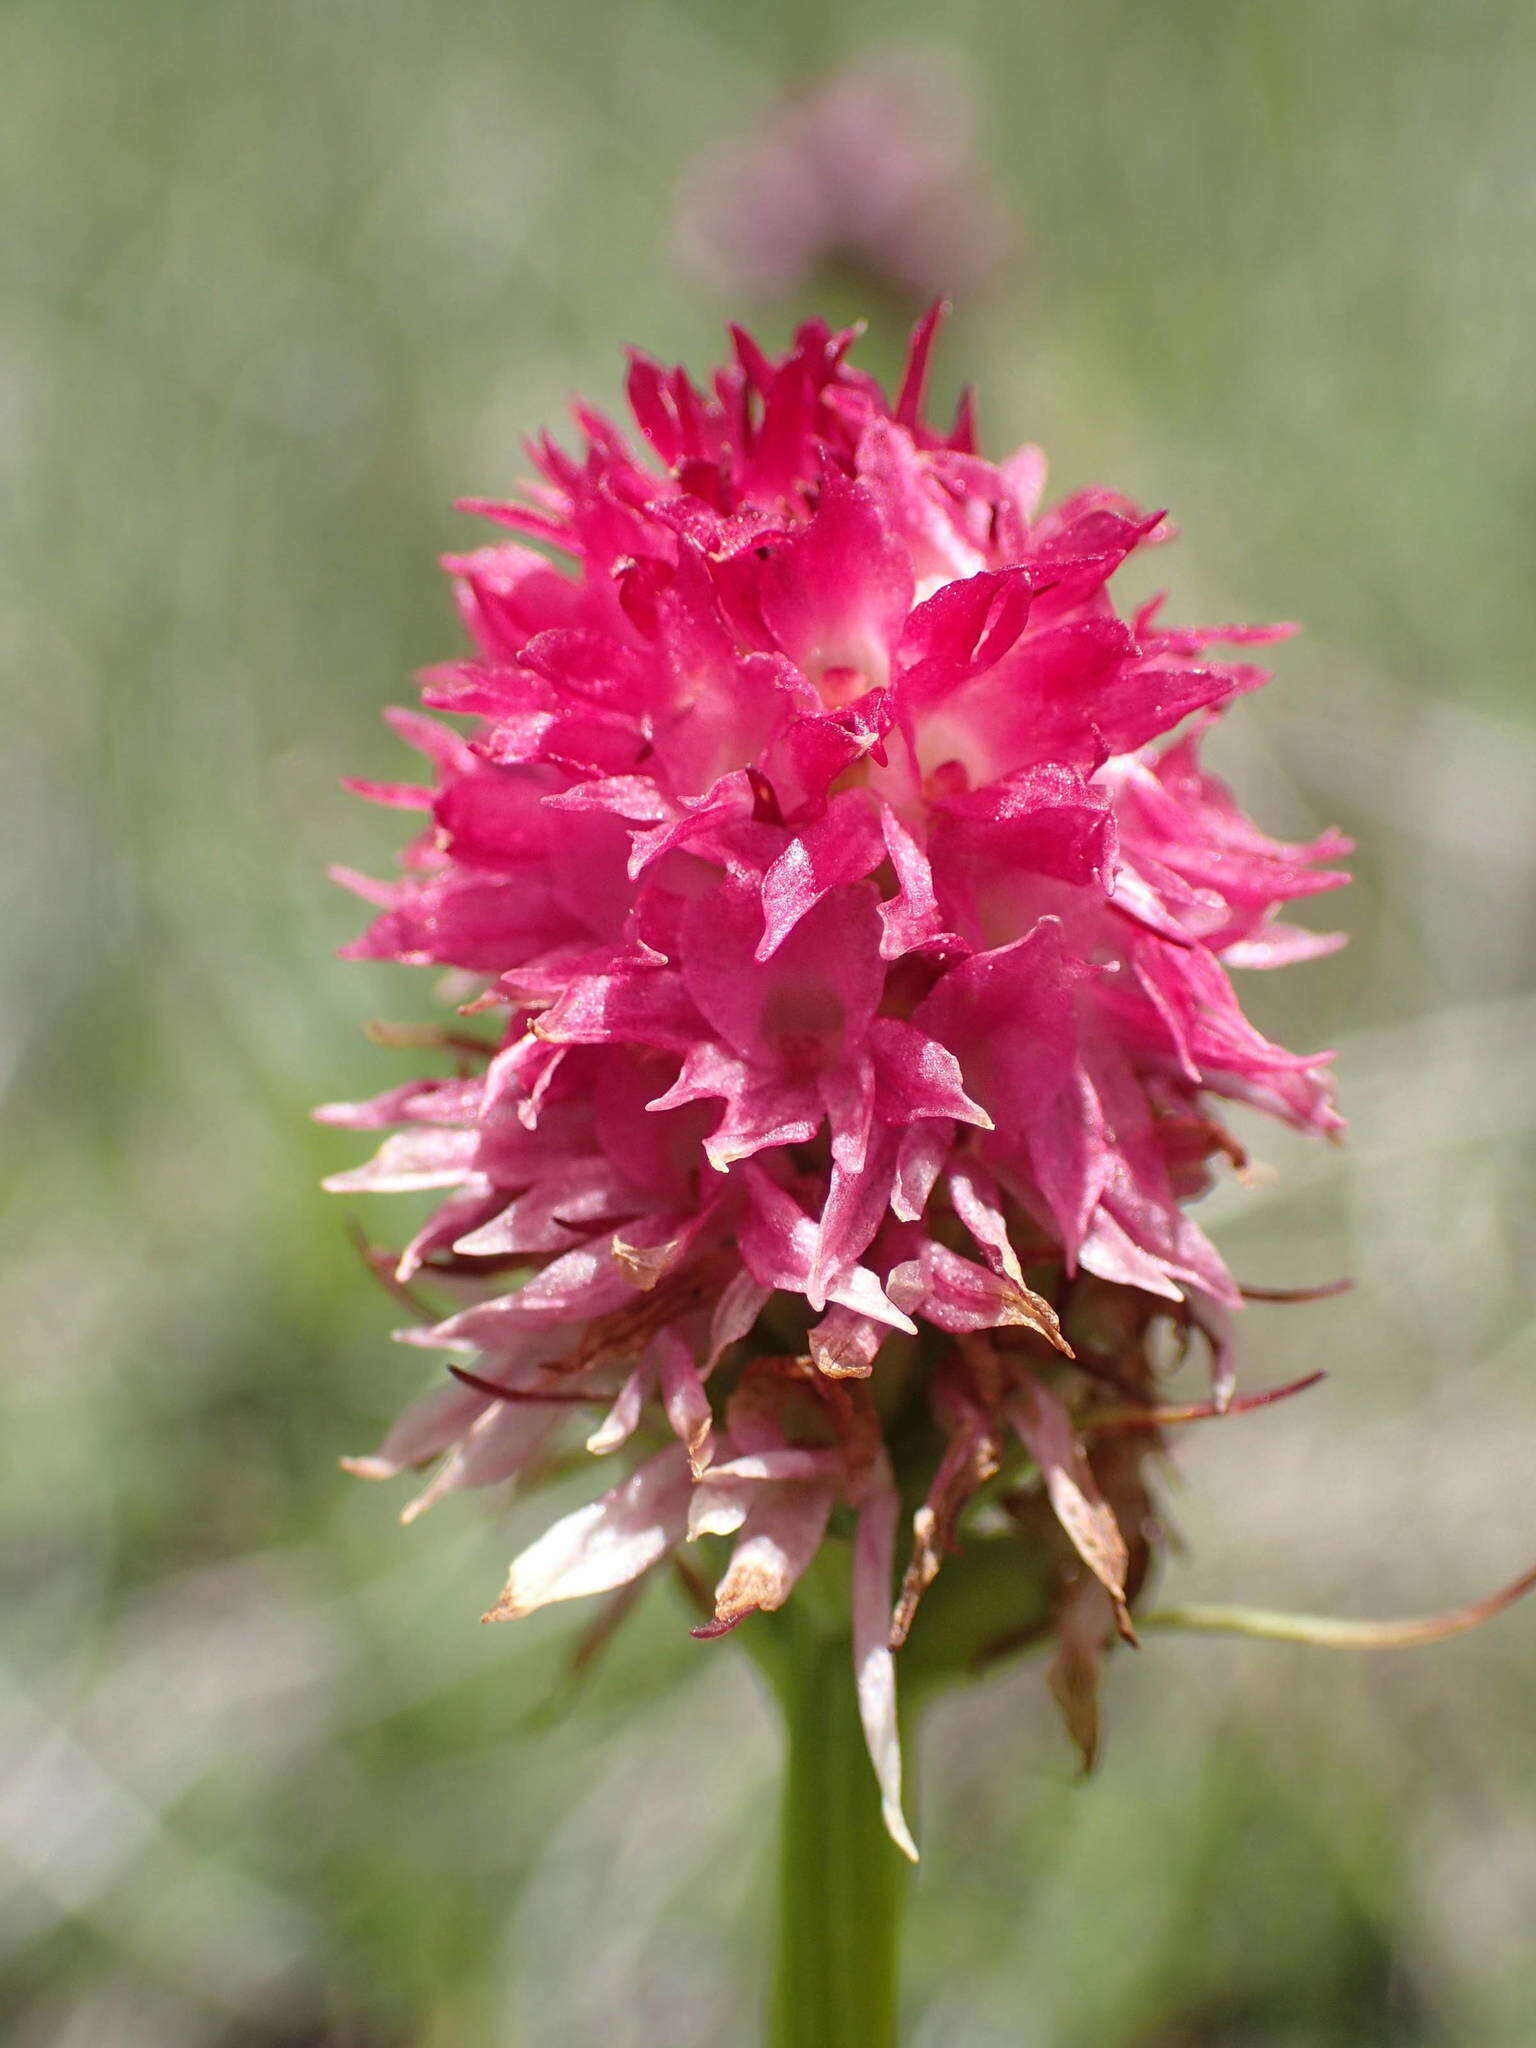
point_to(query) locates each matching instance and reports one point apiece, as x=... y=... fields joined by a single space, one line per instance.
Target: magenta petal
x=843 y=845
x=821 y=987
x=991 y=845
x=412 y=1102
x=836 y=595
x=917 y=1078
x=629 y=1006
x=730 y=799
x=1012 y=1017
x=963 y=629
x=761 y=1110
x=778 y=1242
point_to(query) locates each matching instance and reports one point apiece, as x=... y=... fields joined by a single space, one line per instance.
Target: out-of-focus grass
x=278 y=282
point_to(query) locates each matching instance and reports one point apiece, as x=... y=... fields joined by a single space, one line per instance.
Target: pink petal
x=573 y=1288
x=629 y=1006
x=836 y=595
x=684 y=1398
x=844 y=845
x=917 y=1078
x=778 y=1243
x=738 y=1308
x=956 y=1294
x=919 y=1161
x=979 y=1205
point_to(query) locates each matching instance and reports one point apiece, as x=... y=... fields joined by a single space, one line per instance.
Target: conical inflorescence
x=849 y=920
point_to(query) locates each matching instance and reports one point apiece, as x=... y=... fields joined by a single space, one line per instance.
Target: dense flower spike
x=858 y=947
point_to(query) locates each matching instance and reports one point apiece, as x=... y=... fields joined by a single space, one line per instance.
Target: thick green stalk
x=841 y=1880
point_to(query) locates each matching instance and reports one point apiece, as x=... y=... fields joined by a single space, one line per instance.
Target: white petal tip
x=368 y=1468
x=896 y=1827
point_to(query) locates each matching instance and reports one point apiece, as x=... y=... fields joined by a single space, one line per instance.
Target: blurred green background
x=279 y=280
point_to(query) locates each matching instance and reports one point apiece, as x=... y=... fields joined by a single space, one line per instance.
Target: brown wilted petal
x=1047 y=1433
x=1084 y=1624
x=969 y=1460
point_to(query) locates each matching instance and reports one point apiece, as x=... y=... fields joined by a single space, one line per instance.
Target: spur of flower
x=851 y=921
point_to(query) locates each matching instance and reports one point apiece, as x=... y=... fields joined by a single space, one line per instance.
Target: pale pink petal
x=790 y=1463
x=623 y=1418
x=780 y=1535
x=422 y=1158
x=499 y=1444
x=1281 y=945
x=874 y=1667
x=718 y=1507
x=605 y=1544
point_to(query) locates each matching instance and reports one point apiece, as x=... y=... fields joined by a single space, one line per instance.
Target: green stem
x=841 y=1879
